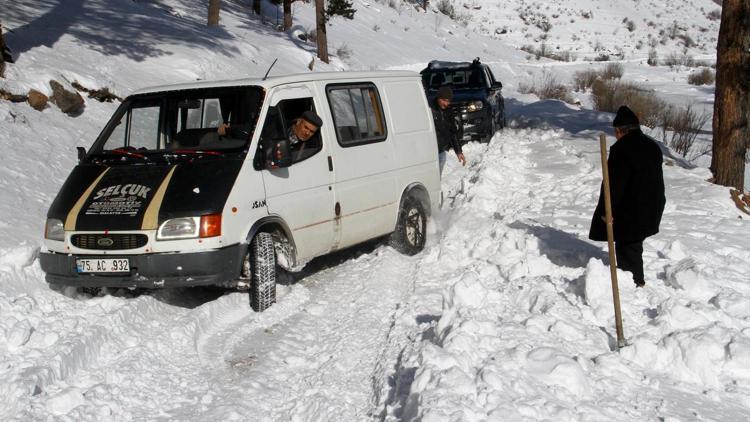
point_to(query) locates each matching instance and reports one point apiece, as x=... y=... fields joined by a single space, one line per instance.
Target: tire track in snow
x=318 y=363
x=99 y=346
x=58 y=350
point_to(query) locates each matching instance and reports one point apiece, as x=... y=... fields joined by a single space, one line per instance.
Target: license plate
x=103 y=265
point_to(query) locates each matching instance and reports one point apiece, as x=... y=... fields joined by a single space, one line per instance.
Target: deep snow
x=506 y=315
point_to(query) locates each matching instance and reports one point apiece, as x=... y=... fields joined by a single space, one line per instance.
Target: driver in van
x=302 y=130
x=304 y=127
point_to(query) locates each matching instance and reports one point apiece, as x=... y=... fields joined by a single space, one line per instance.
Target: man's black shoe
x=640 y=283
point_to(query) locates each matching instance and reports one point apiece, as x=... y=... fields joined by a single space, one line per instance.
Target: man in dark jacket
x=637 y=190
x=446 y=126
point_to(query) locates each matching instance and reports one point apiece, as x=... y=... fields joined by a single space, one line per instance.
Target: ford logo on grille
x=105 y=242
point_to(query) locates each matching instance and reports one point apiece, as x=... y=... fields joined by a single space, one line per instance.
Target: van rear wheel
x=410 y=234
x=263 y=272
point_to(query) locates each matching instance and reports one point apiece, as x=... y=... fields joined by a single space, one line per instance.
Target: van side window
x=278 y=125
x=357 y=114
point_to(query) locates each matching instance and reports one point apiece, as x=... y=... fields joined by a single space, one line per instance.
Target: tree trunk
x=320 y=30
x=732 y=98
x=256 y=7
x=287 y=14
x=2 y=52
x=213 y=12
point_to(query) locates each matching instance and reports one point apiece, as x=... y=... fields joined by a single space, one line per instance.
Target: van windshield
x=185 y=121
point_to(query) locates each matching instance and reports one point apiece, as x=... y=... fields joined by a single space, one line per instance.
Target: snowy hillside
x=587 y=29
x=506 y=314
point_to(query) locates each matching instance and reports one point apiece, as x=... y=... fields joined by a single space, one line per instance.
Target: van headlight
x=178 y=228
x=190 y=227
x=474 y=106
x=54 y=229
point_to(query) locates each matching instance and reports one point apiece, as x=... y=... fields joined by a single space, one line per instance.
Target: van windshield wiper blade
x=123 y=151
x=195 y=152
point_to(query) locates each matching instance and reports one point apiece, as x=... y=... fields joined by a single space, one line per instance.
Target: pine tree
x=340 y=8
x=731 y=124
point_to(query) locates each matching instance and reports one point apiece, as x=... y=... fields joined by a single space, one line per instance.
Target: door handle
x=330 y=163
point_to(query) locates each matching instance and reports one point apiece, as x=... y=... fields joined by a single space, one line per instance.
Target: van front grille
x=115 y=241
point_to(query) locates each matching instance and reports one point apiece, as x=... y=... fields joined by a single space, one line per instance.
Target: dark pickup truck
x=477 y=95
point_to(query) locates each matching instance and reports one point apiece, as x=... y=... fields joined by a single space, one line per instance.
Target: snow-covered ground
x=506 y=315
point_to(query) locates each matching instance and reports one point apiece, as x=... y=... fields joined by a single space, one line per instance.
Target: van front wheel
x=410 y=234
x=263 y=270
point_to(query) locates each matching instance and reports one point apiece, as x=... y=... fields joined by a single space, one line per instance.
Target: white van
x=162 y=200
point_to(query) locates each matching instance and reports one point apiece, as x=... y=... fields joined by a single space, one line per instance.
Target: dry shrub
x=446 y=7
x=602 y=57
x=674 y=59
x=701 y=77
x=680 y=126
x=629 y=24
x=548 y=88
x=545 y=51
x=584 y=79
x=613 y=71
x=610 y=95
x=312 y=36
x=344 y=52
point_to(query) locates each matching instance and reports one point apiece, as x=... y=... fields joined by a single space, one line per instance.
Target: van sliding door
x=363 y=162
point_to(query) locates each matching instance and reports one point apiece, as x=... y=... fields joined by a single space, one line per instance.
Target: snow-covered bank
x=526 y=331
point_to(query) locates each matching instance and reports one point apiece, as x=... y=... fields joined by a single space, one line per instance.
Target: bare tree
x=320 y=30
x=732 y=103
x=213 y=12
x=287 y=14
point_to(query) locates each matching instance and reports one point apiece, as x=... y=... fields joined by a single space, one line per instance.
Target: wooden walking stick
x=611 y=242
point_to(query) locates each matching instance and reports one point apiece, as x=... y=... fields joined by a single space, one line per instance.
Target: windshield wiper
x=194 y=152
x=123 y=151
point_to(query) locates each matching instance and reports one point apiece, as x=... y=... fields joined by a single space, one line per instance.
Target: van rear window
x=357 y=113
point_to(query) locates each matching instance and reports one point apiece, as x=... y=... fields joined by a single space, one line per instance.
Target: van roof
x=272 y=81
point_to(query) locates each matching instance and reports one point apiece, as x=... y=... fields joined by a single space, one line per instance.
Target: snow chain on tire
x=410 y=235
x=263 y=262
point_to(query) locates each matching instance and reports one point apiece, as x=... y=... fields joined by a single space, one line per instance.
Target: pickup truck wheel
x=493 y=129
x=410 y=234
x=263 y=272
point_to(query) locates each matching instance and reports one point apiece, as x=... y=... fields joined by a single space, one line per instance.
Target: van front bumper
x=215 y=267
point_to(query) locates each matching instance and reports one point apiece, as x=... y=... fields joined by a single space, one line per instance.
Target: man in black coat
x=446 y=126
x=637 y=190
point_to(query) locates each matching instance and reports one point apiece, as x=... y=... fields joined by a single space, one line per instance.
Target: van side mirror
x=81 y=154
x=497 y=85
x=279 y=155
